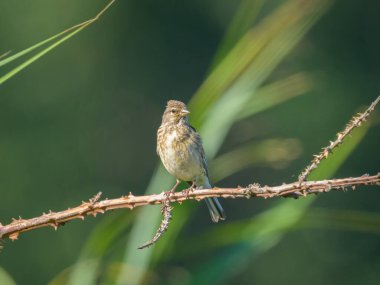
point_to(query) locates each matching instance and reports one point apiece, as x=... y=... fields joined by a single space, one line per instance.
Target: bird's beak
x=185 y=112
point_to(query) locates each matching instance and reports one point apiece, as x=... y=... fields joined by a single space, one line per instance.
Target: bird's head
x=175 y=112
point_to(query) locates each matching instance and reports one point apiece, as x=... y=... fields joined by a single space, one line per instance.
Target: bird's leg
x=190 y=189
x=171 y=191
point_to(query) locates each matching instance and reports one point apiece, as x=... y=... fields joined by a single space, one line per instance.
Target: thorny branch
x=94 y=207
x=166 y=211
x=292 y=190
x=354 y=123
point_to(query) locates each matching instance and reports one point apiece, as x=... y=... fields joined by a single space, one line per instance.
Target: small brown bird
x=180 y=149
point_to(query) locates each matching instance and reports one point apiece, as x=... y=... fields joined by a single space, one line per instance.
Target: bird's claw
x=187 y=191
x=171 y=191
x=168 y=193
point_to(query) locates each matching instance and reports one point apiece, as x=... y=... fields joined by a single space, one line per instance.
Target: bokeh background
x=83 y=119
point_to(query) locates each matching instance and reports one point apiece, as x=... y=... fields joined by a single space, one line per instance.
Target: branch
x=354 y=123
x=166 y=211
x=94 y=207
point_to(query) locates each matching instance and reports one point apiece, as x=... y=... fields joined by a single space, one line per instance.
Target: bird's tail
x=216 y=211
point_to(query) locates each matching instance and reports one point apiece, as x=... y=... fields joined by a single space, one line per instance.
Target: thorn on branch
x=54 y=225
x=14 y=236
x=253 y=190
x=96 y=198
x=80 y=217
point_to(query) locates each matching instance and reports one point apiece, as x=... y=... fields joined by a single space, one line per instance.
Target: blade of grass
x=28 y=50
x=76 y=29
x=276 y=93
x=26 y=63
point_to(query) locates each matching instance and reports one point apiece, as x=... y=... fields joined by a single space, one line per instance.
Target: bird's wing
x=198 y=142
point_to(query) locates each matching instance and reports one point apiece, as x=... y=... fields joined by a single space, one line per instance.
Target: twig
x=166 y=210
x=356 y=121
x=90 y=21
x=92 y=207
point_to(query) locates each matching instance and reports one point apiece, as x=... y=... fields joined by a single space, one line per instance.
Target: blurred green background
x=279 y=79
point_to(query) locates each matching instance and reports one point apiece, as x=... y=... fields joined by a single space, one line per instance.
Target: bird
x=180 y=149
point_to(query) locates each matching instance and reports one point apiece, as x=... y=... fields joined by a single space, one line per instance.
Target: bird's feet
x=171 y=191
x=187 y=191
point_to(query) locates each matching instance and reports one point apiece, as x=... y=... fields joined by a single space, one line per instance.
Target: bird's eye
x=172 y=111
